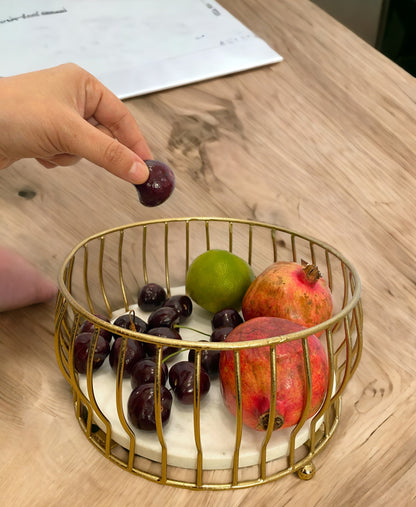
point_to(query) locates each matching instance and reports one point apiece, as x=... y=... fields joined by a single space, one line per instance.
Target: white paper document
x=133 y=46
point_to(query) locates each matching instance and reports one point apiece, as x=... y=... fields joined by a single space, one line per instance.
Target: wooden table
x=323 y=143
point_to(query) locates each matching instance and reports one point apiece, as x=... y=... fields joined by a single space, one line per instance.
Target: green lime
x=218 y=279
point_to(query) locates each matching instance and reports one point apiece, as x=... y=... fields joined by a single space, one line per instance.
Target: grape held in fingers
x=159 y=186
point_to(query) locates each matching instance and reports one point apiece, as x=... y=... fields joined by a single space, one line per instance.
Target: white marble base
x=217 y=424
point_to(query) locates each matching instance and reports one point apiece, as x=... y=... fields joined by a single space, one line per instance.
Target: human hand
x=62 y=114
x=21 y=284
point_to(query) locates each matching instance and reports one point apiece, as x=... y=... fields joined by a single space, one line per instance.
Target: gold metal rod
x=119 y=402
x=328 y=396
x=357 y=311
x=120 y=270
x=307 y=403
x=312 y=250
x=250 y=245
x=158 y=414
x=207 y=235
x=187 y=262
x=90 y=389
x=68 y=274
x=328 y=270
x=86 y=286
x=60 y=344
x=196 y=417
x=144 y=252
x=101 y=275
x=347 y=364
x=293 y=244
x=239 y=417
x=273 y=236
x=167 y=279
x=272 y=411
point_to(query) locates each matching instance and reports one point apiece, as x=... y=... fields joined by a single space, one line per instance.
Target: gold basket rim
x=302 y=334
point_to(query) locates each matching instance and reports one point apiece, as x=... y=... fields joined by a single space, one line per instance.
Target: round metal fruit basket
x=202 y=446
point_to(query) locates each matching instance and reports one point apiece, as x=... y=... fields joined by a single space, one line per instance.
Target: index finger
x=113 y=114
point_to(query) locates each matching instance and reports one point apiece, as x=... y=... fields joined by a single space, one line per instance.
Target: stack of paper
x=133 y=46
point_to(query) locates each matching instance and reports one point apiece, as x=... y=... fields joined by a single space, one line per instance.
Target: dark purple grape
x=141 y=406
x=163 y=317
x=151 y=297
x=210 y=360
x=144 y=372
x=81 y=348
x=220 y=334
x=166 y=332
x=89 y=327
x=181 y=303
x=125 y=321
x=159 y=185
x=226 y=318
x=134 y=352
x=182 y=378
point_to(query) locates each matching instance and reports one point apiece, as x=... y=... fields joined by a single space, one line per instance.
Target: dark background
x=388 y=25
x=397 y=33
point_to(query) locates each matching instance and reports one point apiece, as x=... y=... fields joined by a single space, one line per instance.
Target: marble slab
x=217 y=425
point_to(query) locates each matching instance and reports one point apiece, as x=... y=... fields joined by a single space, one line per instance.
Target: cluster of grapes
x=167 y=315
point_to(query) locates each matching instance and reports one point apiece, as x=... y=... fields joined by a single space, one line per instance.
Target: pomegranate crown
x=311 y=271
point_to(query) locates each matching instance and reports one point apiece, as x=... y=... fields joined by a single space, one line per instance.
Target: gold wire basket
x=102 y=276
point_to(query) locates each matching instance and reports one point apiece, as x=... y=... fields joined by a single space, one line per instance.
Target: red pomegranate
x=291 y=380
x=289 y=291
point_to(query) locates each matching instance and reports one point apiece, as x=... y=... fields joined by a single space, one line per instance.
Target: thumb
x=107 y=152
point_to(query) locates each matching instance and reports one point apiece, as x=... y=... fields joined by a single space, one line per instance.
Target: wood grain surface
x=323 y=143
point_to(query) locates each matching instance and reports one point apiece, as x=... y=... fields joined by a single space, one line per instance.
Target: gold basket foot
x=307 y=472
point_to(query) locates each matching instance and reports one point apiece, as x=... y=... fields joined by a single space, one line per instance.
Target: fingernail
x=138 y=173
